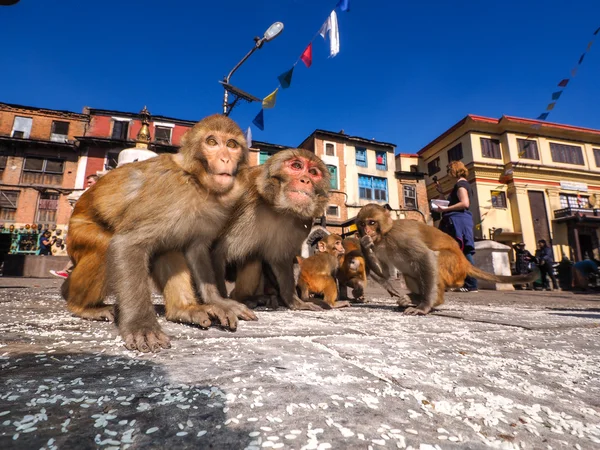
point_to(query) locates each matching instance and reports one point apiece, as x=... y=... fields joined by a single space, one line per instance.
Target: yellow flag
x=269 y=100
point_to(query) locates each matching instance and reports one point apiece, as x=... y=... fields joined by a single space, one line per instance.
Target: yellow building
x=531 y=180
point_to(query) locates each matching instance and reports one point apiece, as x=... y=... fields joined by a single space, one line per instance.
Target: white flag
x=331 y=26
x=249 y=137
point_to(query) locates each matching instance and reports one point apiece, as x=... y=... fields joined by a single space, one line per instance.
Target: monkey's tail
x=513 y=279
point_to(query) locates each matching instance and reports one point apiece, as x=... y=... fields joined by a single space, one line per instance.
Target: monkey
x=157 y=219
x=353 y=270
x=273 y=218
x=429 y=259
x=318 y=273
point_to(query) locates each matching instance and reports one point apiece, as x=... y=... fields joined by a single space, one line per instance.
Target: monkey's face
x=338 y=247
x=302 y=188
x=222 y=154
x=369 y=227
x=354 y=265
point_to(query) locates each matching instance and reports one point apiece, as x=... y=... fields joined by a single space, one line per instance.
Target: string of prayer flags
x=331 y=26
x=344 y=5
x=285 y=79
x=249 y=137
x=269 y=100
x=259 y=120
x=307 y=55
x=564 y=82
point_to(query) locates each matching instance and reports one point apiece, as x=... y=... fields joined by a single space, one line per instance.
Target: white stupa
x=140 y=152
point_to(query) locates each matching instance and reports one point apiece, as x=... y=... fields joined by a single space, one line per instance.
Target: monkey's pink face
x=303 y=175
x=369 y=227
x=223 y=154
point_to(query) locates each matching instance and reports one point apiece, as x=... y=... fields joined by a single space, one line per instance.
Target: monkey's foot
x=195 y=314
x=403 y=301
x=419 y=311
x=227 y=313
x=146 y=341
x=358 y=293
x=342 y=304
x=305 y=306
x=104 y=312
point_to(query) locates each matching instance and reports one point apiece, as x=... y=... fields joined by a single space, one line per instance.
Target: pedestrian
x=45 y=243
x=457 y=220
x=545 y=261
x=523 y=260
x=72 y=199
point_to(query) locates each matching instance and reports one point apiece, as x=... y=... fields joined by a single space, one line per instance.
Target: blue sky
x=407 y=70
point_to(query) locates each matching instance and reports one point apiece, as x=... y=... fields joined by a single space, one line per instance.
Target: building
x=531 y=180
x=412 y=190
x=39 y=160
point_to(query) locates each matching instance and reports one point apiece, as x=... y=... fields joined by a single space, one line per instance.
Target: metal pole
x=258 y=44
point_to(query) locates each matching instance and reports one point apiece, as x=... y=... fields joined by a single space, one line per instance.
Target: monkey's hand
x=418 y=311
x=298 y=304
x=367 y=242
x=227 y=312
x=146 y=340
x=404 y=301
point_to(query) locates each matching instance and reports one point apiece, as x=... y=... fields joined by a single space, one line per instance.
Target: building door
x=539 y=216
x=5 y=242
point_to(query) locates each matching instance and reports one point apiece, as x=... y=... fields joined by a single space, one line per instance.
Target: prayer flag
x=249 y=137
x=344 y=5
x=589 y=46
x=269 y=100
x=597 y=31
x=573 y=72
x=259 y=120
x=563 y=83
x=550 y=107
x=331 y=26
x=543 y=116
x=581 y=59
x=285 y=79
x=556 y=95
x=307 y=55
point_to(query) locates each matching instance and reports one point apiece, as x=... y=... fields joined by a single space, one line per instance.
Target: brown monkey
x=318 y=272
x=271 y=220
x=353 y=270
x=429 y=259
x=139 y=217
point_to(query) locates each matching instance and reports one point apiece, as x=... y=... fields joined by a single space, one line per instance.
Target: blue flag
x=344 y=5
x=259 y=120
x=556 y=95
x=543 y=116
x=285 y=79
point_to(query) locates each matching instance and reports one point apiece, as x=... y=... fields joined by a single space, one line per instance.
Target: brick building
x=412 y=190
x=38 y=169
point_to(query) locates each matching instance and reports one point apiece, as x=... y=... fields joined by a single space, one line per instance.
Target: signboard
x=574 y=186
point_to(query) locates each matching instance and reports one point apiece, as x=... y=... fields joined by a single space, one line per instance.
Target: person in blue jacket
x=545 y=261
x=457 y=220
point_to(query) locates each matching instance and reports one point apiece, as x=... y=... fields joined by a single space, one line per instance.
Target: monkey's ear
x=300 y=259
x=321 y=246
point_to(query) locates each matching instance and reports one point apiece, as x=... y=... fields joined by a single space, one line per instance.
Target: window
x=112 y=159
x=162 y=135
x=60 y=131
x=528 y=149
x=498 y=199
x=329 y=149
x=361 y=157
x=490 y=148
x=120 y=130
x=381 y=160
x=410 y=196
x=433 y=167
x=455 y=153
x=333 y=210
x=47 y=208
x=8 y=204
x=372 y=188
x=42 y=171
x=22 y=127
x=263 y=156
x=574 y=201
x=596 y=156
x=333 y=173
x=569 y=154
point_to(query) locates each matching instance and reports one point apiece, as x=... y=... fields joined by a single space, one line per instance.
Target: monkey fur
x=430 y=260
x=127 y=225
x=353 y=270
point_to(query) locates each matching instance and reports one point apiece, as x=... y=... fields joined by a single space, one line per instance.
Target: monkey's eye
x=296 y=165
x=232 y=144
x=314 y=172
x=372 y=222
x=361 y=224
x=211 y=141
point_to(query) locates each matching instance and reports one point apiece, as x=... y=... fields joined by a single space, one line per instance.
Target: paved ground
x=502 y=370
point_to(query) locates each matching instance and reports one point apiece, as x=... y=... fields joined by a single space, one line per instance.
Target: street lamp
x=8 y=2
x=272 y=32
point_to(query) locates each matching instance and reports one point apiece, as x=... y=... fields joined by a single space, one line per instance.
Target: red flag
x=563 y=83
x=307 y=55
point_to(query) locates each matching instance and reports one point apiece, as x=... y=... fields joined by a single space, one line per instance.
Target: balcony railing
x=571 y=212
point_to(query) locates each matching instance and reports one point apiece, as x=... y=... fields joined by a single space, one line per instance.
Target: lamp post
x=272 y=32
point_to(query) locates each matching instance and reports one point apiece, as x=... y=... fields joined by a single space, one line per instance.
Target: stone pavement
x=490 y=369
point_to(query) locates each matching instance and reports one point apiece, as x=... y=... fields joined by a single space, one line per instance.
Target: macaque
x=429 y=259
x=318 y=273
x=158 y=218
x=271 y=220
x=353 y=270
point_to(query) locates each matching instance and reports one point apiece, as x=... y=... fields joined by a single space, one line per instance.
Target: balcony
x=565 y=214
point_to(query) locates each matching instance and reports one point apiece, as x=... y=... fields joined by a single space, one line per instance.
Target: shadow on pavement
x=86 y=400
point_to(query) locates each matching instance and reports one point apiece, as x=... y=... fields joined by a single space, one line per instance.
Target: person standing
x=457 y=220
x=523 y=261
x=45 y=243
x=545 y=261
